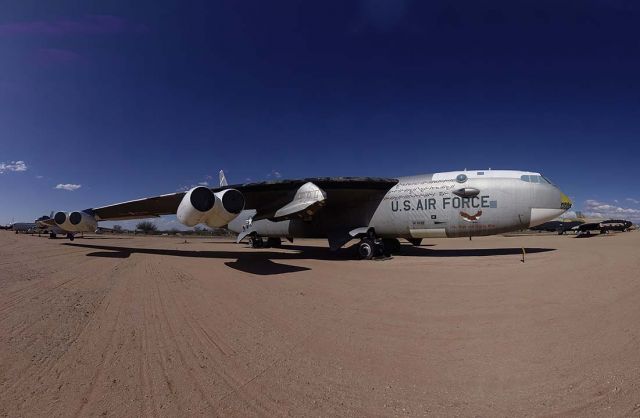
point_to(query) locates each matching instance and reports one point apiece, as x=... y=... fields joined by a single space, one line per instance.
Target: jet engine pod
x=195 y=206
x=229 y=204
x=82 y=222
x=201 y=205
x=62 y=220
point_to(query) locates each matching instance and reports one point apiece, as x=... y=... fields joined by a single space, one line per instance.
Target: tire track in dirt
x=47 y=362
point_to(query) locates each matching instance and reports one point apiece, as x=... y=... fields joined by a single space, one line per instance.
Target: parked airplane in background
x=42 y=225
x=557 y=226
x=377 y=211
x=604 y=227
x=23 y=227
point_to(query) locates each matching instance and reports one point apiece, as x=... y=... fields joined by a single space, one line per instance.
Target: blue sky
x=132 y=99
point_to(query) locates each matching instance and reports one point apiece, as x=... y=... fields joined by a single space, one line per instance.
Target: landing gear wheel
x=256 y=242
x=52 y=235
x=274 y=242
x=392 y=245
x=367 y=249
x=71 y=237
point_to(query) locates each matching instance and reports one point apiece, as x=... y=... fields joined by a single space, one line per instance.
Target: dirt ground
x=156 y=326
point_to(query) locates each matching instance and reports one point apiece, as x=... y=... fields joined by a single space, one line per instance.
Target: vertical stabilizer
x=223 y=179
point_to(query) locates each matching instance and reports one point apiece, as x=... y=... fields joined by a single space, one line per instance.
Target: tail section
x=223 y=179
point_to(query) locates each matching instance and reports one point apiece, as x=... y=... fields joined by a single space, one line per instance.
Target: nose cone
x=557 y=204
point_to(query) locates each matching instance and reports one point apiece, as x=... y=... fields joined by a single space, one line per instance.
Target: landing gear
x=370 y=247
x=415 y=241
x=392 y=245
x=367 y=249
x=256 y=242
x=70 y=236
x=52 y=235
x=274 y=242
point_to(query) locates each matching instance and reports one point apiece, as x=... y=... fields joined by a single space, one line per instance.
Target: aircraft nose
x=555 y=204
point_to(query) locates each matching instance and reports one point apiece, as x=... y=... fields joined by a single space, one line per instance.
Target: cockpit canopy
x=531 y=178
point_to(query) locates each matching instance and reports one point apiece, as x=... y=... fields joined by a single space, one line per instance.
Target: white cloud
x=569 y=215
x=634 y=201
x=39 y=177
x=186 y=188
x=596 y=209
x=68 y=186
x=274 y=174
x=13 y=166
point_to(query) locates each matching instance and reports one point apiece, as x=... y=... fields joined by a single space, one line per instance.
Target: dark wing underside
x=265 y=197
x=151 y=207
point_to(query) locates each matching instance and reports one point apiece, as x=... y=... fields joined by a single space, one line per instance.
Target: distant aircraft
x=557 y=226
x=603 y=227
x=42 y=225
x=377 y=211
x=24 y=227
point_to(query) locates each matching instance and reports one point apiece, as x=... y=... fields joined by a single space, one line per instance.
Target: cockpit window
x=534 y=179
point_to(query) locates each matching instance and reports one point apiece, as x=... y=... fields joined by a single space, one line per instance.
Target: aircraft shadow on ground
x=260 y=261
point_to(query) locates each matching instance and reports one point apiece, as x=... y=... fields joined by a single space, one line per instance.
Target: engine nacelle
x=62 y=220
x=82 y=222
x=76 y=221
x=201 y=206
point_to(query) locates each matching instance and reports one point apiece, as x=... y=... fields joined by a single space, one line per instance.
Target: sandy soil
x=155 y=326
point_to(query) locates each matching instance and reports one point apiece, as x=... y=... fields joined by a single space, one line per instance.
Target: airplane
x=557 y=226
x=23 y=227
x=604 y=227
x=377 y=211
x=42 y=225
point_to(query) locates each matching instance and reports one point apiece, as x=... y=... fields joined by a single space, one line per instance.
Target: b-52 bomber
x=377 y=211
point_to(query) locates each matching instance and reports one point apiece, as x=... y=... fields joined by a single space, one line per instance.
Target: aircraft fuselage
x=451 y=204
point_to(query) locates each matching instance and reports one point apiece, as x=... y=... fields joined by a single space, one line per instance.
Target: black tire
x=52 y=235
x=366 y=249
x=274 y=242
x=392 y=245
x=71 y=237
x=256 y=242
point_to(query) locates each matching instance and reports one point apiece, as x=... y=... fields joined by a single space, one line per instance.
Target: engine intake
x=201 y=205
x=76 y=221
x=82 y=222
x=62 y=220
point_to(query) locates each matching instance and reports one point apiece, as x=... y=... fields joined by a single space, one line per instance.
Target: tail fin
x=223 y=179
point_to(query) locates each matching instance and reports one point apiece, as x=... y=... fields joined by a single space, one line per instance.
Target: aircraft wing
x=44 y=223
x=151 y=207
x=267 y=198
